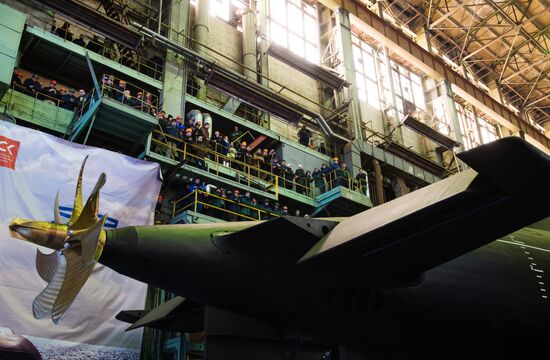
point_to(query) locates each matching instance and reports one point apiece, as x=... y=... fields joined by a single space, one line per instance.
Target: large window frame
x=366 y=73
x=294 y=25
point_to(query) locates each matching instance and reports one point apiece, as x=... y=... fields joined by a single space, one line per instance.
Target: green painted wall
x=12 y=23
x=35 y=111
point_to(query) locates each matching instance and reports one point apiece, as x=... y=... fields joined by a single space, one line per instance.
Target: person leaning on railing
x=32 y=86
x=68 y=100
x=16 y=82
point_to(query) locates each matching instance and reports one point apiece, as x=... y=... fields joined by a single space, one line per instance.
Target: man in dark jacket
x=32 y=86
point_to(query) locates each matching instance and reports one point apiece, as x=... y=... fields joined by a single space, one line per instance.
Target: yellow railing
x=336 y=178
x=205 y=203
x=180 y=150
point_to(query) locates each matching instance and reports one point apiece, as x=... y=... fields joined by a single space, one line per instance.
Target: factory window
x=293 y=25
x=409 y=93
x=224 y=9
x=470 y=134
x=365 y=72
x=489 y=132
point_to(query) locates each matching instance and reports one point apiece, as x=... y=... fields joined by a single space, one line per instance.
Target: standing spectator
x=127 y=98
x=318 y=182
x=51 y=91
x=95 y=45
x=285 y=211
x=300 y=179
x=137 y=103
x=16 y=80
x=363 y=181
x=246 y=200
x=304 y=135
x=266 y=206
x=309 y=181
x=64 y=32
x=32 y=86
x=331 y=175
x=343 y=175
x=81 y=100
x=80 y=41
x=200 y=151
x=119 y=91
x=68 y=99
x=216 y=142
x=235 y=135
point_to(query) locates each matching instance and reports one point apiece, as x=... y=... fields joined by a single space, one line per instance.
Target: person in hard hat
x=332 y=178
x=119 y=90
x=16 y=82
x=285 y=211
x=137 y=102
x=50 y=92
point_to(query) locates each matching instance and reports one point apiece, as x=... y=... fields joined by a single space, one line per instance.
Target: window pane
x=296 y=44
x=311 y=30
x=418 y=94
x=310 y=9
x=295 y=20
x=357 y=59
x=277 y=10
x=220 y=8
x=312 y=53
x=278 y=34
x=370 y=69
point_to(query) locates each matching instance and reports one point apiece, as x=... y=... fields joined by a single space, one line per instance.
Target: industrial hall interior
x=273 y=179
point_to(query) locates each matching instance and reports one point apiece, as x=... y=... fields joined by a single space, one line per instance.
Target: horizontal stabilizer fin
x=430 y=226
x=158 y=313
x=297 y=235
x=495 y=162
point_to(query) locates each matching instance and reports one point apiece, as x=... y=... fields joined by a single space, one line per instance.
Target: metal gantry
x=503 y=44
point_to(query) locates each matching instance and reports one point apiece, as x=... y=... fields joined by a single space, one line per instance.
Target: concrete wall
x=227 y=40
x=296 y=81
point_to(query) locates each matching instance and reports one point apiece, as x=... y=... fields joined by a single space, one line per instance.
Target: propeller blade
x=77 y=207
x=56 y=214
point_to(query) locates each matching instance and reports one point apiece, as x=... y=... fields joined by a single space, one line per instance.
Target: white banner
x=33 y=167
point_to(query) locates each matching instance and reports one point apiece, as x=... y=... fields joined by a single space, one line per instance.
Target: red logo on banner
x=8 y=152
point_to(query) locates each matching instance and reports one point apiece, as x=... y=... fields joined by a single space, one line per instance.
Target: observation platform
x=107 y=121
x=45 y=114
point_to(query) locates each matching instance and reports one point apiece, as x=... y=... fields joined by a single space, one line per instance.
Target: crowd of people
x=68 y=99
x=221 y=203
x=77 y=99
x=263 y=163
